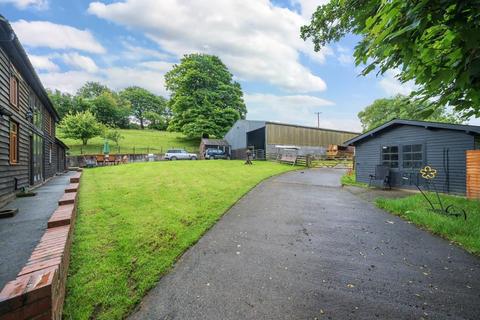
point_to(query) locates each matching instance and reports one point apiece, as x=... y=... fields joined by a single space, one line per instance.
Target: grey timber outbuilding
x=268 y=136
x=405 y=146
x=29 y=151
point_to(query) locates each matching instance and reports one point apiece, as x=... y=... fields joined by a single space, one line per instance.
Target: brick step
x=72 y=187
x=64 y=215
x=67 y=198
x=30 y=295
x=76 y=177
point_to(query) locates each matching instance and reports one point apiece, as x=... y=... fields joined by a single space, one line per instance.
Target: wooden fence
x=473 y=174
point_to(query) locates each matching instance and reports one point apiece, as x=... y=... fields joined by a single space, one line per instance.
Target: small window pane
x=417 y=156
x=394 y=149
x=407 y=148
x=417 y=148
x=407 y=156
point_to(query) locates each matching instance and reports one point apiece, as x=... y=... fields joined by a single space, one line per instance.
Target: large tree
x=80 y=126
x=434 y=43
x=110 y=109
x=204 y=98
x=402 y=107
x=66 y=103
x=91 y=90
x=143 y=102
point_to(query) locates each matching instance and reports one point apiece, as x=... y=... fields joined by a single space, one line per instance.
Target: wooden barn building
x=270 y=136
x=29 y=151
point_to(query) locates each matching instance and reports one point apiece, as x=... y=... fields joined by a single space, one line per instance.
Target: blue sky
x=134 y=42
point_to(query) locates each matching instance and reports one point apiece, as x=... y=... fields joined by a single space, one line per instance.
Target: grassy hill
x=136 y=141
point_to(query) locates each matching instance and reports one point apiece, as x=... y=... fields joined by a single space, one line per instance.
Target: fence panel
x=473 y=174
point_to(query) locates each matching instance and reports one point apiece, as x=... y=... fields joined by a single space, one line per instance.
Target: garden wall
x=38 y=291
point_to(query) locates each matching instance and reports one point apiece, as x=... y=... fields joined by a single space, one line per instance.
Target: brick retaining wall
x=38 y=291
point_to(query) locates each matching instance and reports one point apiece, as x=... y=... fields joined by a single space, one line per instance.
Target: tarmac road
x=298 y=246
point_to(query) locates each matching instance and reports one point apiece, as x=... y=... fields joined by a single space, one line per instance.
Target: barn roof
x=20 y=59
x=215 y=142
x=425 y=124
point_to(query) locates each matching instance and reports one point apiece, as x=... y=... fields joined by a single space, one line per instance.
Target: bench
x=288 y=158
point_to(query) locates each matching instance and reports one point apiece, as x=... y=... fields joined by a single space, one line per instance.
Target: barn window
x=14 y=91
x=390 y=156
x=412 y=156
x=13 y=155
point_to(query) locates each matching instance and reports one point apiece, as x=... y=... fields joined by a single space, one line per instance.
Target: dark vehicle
x=216 y=154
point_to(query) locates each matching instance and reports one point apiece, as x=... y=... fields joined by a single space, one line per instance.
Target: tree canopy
x=401 y=107
x=80 y=126
x=434 y=43
x=144 y=103
x=205 y=100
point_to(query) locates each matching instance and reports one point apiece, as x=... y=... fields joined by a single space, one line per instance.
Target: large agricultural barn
x=29 y=151
x=271 y=136
x=405 y=146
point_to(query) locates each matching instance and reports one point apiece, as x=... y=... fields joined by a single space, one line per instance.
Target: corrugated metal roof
x=214 y=142
x=425 y=124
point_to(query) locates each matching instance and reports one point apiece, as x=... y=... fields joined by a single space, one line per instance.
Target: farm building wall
x=20 y=171
x=282 y=134
x=237 y=135
x=14 y=176
x=442 y=149
x=310 y=140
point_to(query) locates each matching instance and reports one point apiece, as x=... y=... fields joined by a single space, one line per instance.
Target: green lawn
x=349 y=179
x=414 y=208
x=144 y=141
x=135 y=220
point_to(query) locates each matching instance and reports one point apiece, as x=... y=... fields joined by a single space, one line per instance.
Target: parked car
x=216 y=154
x=179 y=154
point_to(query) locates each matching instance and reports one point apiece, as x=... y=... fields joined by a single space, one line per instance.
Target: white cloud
x=308 y=7
x=392 y=86
x=116 y=78
x=134 y=52
x=122 y=77
x=68 y=81
x=297 y=109
x=157 y=65
x=256 y=40
x=55 y=36
x=43 y=63
x=23 y=4
x=79 y=61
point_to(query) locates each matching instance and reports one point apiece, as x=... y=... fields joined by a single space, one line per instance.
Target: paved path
x=300 y=247
x=20 y=234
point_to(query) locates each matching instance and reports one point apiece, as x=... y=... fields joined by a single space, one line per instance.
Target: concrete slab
x=20 y=234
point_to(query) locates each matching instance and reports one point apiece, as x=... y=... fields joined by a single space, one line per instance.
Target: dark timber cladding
x=29 y=153
x=405 y=146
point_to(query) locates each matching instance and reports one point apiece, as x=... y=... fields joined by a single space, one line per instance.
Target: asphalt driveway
x=300 y=247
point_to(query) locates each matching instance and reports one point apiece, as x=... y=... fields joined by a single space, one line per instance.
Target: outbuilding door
x=36 y=162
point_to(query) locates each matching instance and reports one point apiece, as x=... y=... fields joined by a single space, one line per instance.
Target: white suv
x=179 y=154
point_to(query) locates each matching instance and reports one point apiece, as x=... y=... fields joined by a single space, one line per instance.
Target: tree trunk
x=84 y=142
x=141 y=124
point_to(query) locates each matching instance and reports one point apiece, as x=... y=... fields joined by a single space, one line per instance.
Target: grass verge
x=135 y=220
x=415 y=209
x=349 y=179
x=136 y=141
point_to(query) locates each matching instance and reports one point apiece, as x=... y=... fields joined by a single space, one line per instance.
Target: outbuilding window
x=412 y=156
x=390 y=156
x=13 y=151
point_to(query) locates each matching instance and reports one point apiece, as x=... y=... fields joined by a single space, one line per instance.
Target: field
x=415 y=209
x=136 y=141
x=135 y=220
